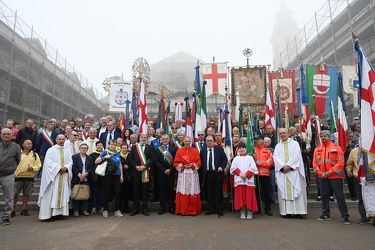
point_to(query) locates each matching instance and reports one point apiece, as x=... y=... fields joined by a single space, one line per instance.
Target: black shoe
x=171 y=210
x=145 y=212
x=298 y=216
x=319 y=198
x=12 y=214
x=257 y=212
x=288 y=216
x=220 y=213
x=268 y=212
x=209 y=212
x=135 y=212
x=125 y=210
x=161 y=211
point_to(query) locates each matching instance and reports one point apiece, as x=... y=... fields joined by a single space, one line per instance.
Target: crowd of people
x=179 y=171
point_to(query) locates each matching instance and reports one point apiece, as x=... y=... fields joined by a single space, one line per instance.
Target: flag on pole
x=227 y=135
x=167 y=112
x=240 y=122
x=249 y=141
x=367 y=94
x=216 y=76
x=143 y=120
x=333 y=128
x=178 y=111
x=220 y=120
x=342 y=125
x=134 y=106
x=237 y=110
x=306 y=126
x=270 y=118
x=197 y=91
x=189 y=127
x=322 y=83
x=201 y=115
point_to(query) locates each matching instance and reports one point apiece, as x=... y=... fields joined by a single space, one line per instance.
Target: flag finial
x=354 y=36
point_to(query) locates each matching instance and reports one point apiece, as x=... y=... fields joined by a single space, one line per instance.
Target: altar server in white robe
x=290 y=177
x=55 y=184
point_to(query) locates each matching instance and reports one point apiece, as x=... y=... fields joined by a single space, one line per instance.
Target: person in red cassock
x=187 y=163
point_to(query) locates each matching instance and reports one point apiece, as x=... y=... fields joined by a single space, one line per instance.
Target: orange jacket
x=329 y=157
x=263 y=156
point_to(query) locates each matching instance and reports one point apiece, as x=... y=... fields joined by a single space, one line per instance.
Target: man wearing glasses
x=10 y=157
x=173 y=134
x=72 y=144
x=200 y=144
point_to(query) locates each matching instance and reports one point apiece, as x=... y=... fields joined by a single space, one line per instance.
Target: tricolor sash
x=178 y=145
x=48 y=138
x=142 y=157
x=198 y=146
x=167 y=155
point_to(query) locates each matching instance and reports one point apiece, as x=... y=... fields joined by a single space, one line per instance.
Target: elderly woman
x=82 y=167
x=97 y=182
x=187 y=163
x=112 y=180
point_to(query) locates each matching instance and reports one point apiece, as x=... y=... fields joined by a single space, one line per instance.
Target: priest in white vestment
x=290 y=177
x=55 y=184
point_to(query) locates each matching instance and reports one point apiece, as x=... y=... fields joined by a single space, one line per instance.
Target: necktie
x=201 y=144
x=110 y=135
x=210 y=160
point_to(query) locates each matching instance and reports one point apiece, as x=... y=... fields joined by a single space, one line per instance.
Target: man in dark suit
x=200 y=144
x=110 y=134
x=164 y=157
x=214 y=162
x=140 y=159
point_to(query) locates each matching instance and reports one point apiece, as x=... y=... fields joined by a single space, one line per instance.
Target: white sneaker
x=105 y=214
x=243 y=213
x=118 y=213
x=249 y=214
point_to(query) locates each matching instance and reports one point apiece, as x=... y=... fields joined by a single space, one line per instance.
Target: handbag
x=80 y=192
x=101 y=168
x=111 y=167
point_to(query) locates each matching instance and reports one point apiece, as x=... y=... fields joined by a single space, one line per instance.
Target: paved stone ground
x=176 y=232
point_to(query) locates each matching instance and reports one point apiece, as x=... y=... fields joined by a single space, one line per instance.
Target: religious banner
x=286 y=79
x=120 y=92
x=216 y=76
x=322 y=87
x=250 y=84
x=350 y=82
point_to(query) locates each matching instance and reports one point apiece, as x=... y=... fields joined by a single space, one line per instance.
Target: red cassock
x=188 y=200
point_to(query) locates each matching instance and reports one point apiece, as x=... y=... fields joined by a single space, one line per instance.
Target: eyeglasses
x=174 y=128
x=6 y=133
x=209 y=140
x=74 y=135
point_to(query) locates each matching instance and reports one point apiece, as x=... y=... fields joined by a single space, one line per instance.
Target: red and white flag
x=306 y=126
x=342 y=125
x=270 y=118
x=216 y=76
x=143 y=120
x=367 y=80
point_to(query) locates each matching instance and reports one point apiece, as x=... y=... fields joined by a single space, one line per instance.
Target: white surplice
x=292 y=185
x=51 y=201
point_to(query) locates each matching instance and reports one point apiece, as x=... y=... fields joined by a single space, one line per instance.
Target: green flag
x=249 y=141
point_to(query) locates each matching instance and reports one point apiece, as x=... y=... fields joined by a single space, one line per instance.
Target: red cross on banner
x=216 y=76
